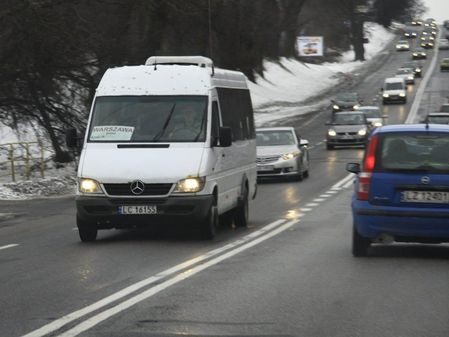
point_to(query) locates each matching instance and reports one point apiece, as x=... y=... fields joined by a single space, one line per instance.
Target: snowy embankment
x=288 y=83
x=280 y=94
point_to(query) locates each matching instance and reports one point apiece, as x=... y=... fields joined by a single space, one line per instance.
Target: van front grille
x=149 y=189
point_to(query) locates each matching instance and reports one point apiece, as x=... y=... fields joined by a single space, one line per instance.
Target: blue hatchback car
x=402 y=187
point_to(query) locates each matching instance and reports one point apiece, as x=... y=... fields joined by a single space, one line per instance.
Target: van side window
x=215 y=120
x=237 y=112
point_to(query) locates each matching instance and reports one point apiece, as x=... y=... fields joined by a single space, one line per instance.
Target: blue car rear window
x=419 y=151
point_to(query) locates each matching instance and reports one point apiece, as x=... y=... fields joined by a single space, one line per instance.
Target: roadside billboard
x=309 y=45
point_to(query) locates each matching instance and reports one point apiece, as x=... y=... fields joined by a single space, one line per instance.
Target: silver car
x=347 y=128
x=373 y=115
x=281 y=152
x=407 y=74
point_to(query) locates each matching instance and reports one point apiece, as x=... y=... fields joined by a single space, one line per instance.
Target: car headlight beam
x=291 y=155
x=332 y=133
x=190 y=185
x=336 y=107
x=89 y=186
x=362 y=132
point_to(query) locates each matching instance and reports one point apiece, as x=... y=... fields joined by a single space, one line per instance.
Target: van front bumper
x=103 y=212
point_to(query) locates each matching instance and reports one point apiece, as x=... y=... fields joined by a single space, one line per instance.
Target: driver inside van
x=187 y=124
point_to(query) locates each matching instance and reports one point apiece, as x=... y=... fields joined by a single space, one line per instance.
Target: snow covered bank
x=47 y=187
x=289 y=82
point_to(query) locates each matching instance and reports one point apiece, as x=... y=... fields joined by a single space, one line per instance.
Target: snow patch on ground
x=287 y=83
x=45 y=187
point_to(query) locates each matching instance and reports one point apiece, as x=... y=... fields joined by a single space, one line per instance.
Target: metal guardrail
x=19 y=157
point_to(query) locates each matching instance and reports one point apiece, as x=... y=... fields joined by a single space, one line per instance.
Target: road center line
x=62 y=321
x=9 y=246
x=91 y=322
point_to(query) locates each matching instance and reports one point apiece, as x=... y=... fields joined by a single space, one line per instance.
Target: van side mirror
x=353 y=167
x=71 y=138
x=225 y=136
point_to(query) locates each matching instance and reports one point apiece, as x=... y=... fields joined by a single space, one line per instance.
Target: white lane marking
x=74 y=228
x=91 y=322
x=333 y=192
x=305 y=209
x=318 y=200
x=411 y=118
x=311 y=204
x=60 y=322
x=325 y=195
x=9 y=246
x=341 y=182
x=348 y=184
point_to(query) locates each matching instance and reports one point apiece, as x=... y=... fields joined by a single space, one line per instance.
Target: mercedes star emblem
x=137 y=187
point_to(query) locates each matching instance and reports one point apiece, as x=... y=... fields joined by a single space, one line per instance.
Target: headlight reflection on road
x=293 y=214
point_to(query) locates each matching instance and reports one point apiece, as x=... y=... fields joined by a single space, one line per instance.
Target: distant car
x=347 y=101
x=443 y=44
x=373 y=115
x=347 y=128
x=401 y=191
x=402 y=45
x=444 y=65
x=437 y=118
x=394 y=90
x=281 y=152
x=444 y=107
x=416 y=66
x=419 y=54
x=427 y=43
x=410 y=34
x=407 y=74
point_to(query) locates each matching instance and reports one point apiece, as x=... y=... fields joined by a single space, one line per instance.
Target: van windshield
x=394 y=86
x=149 y=119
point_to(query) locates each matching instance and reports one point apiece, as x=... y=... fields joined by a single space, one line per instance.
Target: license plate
x=265 y=168
x=137 y=210
x=425 y=197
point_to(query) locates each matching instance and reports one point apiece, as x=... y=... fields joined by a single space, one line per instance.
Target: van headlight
x=190 y=185
x=362 y=132
x=332 y=133
x=386 y=95
x=291 y=155
x=90 y=186
x=402 y=94
x=415 y=54
x=336 y=107
x=356 y=107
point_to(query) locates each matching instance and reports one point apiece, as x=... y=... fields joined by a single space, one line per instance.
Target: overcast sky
x=438 y=9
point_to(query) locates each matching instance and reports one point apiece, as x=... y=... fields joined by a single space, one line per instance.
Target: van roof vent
x=200 y=61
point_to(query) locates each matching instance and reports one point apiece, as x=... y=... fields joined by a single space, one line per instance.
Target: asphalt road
x=289 y=274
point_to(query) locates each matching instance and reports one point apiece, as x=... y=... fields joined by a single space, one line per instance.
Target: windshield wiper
x=167 y=121
x=201 y=128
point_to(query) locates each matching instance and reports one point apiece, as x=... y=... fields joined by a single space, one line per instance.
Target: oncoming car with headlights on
x=169 y=142
x=347 y=128
x=281 y=152
x=373 y=115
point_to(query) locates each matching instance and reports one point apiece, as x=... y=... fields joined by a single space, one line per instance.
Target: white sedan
x=281 y=152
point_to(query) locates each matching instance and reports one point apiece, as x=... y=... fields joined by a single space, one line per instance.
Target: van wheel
x=360 y=244
x=87 y=231
x=210 y=224
x=242 y=210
